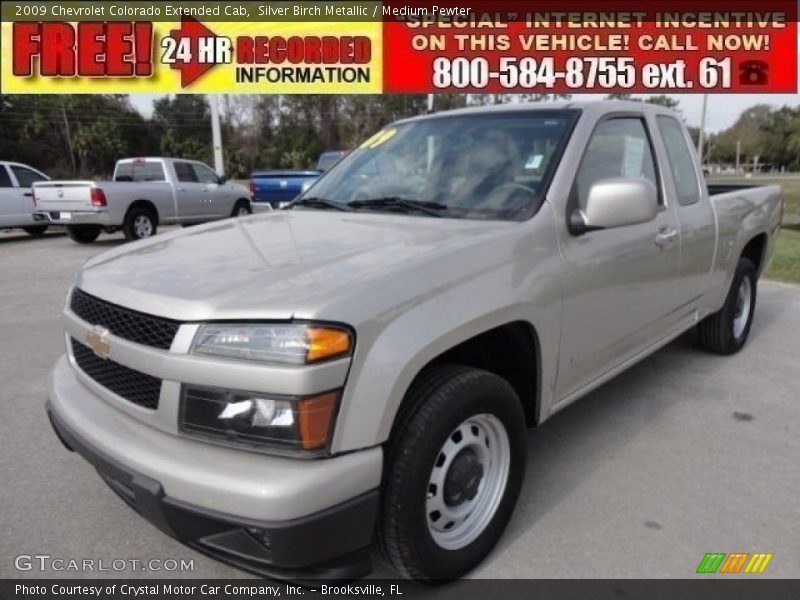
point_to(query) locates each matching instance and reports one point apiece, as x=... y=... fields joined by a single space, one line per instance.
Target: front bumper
x=278 y=517
x=53 y=217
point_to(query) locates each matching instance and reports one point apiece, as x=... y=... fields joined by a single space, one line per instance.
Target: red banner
x=569 y=46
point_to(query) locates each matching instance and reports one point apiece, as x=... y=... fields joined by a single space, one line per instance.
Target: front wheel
x=726 y=331
x=83 y=234
x=455 y=464
x=140 y=223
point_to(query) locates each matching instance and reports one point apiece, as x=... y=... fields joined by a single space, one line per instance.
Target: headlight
x=289 y=423
x=296 y=344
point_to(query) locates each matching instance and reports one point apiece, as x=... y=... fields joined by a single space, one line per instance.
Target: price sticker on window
x=379 y=138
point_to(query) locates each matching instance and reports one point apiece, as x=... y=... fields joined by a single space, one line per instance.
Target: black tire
x=240 y=208
x=83 y=234
x=441 y=399
x=35 y=230
x=717 y=332
x=140 y=223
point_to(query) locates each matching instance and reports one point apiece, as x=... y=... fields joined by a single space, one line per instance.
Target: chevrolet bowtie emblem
x=96 y=340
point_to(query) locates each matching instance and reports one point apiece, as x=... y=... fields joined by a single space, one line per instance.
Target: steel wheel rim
x=484 y=439
x=741 y=313
x=142 y=226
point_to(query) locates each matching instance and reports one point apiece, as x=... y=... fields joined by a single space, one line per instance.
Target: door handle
x=181 y=189
x=28 y=194
x=666 y=237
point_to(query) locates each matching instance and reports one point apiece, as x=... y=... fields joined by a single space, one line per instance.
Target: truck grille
x=148 y=330
x=136 y=387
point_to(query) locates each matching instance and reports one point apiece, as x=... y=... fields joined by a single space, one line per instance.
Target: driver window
x=5 y=180
x=204 y=174
x=619 y=147
x=26 y=177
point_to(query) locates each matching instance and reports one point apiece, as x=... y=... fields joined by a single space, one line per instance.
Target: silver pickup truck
x=143 y=193
x=283 y=391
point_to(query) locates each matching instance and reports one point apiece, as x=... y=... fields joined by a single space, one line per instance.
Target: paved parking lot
x=684 y=454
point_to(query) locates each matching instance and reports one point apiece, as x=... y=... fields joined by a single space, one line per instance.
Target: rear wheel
x=726 y=331
x=140 y=223
x=241 y=209
x=455 y=465
x=83 y=234
x=35 y=230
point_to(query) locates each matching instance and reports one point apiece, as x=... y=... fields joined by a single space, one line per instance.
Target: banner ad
x=399 y=47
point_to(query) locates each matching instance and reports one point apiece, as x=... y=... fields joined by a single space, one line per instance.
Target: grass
x=786 y=260
x=785 y=264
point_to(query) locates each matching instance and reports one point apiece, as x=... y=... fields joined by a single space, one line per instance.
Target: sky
x=723 y=109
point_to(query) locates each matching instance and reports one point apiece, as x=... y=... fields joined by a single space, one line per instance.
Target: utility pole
x=216 y=135
x=701 y=135
x=69 y=138
x=430 y=102
x=738 y=155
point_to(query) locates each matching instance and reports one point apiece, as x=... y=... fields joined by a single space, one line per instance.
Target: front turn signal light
x=327 y=342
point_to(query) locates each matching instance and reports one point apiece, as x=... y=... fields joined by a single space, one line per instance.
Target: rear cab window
x=139 y=170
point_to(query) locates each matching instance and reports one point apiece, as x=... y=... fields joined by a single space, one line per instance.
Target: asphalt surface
x=684 y=454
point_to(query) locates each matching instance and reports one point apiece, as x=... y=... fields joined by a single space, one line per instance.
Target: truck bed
x=715 y=189
x=279 y=187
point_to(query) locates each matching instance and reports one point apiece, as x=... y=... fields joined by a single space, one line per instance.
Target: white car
x=143 y=194
x=16 y=197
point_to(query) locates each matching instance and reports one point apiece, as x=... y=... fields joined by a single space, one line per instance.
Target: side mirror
x=222 y=179
x=617 y=202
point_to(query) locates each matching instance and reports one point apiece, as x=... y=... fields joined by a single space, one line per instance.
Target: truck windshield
x=478 y=166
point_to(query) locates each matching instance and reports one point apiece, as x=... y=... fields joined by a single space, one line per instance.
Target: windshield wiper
x=315 y=202
x=402 y=204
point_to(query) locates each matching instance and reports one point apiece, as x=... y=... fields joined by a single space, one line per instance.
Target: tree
x=184 y=121
x=665 y=101
x=99 y=145
x=752 y=130
x=72 y=135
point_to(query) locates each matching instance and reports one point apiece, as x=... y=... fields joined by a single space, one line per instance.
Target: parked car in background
x=16 y=197
x=144 y=193
x=277 y=188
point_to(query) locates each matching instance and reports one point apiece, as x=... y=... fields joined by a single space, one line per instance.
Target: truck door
x=10 y=205
x=191 y=193
x=217 y=198
x=19 y=197
x=695 y=215
x=619 y=284
x=26 y=177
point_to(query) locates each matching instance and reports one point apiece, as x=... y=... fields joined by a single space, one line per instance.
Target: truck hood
x=285 y=264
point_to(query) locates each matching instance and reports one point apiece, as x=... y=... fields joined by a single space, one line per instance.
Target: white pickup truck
x=144 y=193
x=16 y=197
